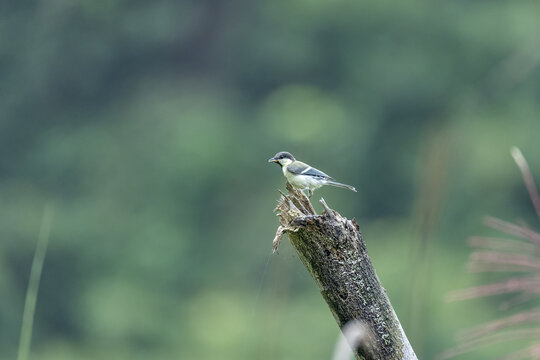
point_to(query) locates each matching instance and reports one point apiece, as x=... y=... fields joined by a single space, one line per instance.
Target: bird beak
x=272 y=160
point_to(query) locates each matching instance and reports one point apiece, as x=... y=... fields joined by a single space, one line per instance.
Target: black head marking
x=284 y=155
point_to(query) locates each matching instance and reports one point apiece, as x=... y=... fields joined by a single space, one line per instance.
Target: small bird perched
x=303 y=176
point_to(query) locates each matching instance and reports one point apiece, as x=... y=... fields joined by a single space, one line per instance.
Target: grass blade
x=33 y=283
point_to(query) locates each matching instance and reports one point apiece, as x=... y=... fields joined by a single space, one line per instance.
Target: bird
x=302 y=175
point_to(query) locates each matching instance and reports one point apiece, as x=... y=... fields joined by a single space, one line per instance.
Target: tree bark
x=334 y=253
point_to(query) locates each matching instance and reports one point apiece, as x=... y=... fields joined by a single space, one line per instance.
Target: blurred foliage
x=148 y=124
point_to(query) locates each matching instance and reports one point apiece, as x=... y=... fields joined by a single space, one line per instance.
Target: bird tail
x=345 y=186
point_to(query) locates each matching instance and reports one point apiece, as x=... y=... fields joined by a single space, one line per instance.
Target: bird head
x=283 y=158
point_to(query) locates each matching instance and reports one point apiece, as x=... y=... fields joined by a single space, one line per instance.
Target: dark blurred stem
x=334 y=253
x=433 y=170
x=33 y=284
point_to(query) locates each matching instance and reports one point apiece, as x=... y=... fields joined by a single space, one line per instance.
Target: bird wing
x=300 y=168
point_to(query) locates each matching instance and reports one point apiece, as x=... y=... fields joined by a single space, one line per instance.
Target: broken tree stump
x=334 y=253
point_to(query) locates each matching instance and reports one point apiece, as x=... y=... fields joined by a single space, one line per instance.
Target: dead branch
x=334 y=253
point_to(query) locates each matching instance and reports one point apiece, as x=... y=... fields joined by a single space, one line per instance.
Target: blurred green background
x=148 y=125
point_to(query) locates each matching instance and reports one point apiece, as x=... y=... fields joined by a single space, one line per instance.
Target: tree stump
x=334 y=253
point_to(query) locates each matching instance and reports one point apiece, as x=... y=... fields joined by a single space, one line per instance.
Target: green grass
x=33 y=283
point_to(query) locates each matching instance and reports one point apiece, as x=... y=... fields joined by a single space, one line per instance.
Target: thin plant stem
x=527 y=178
x=33 y=283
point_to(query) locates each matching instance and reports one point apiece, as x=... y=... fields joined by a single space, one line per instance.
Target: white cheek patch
x=285 y=161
